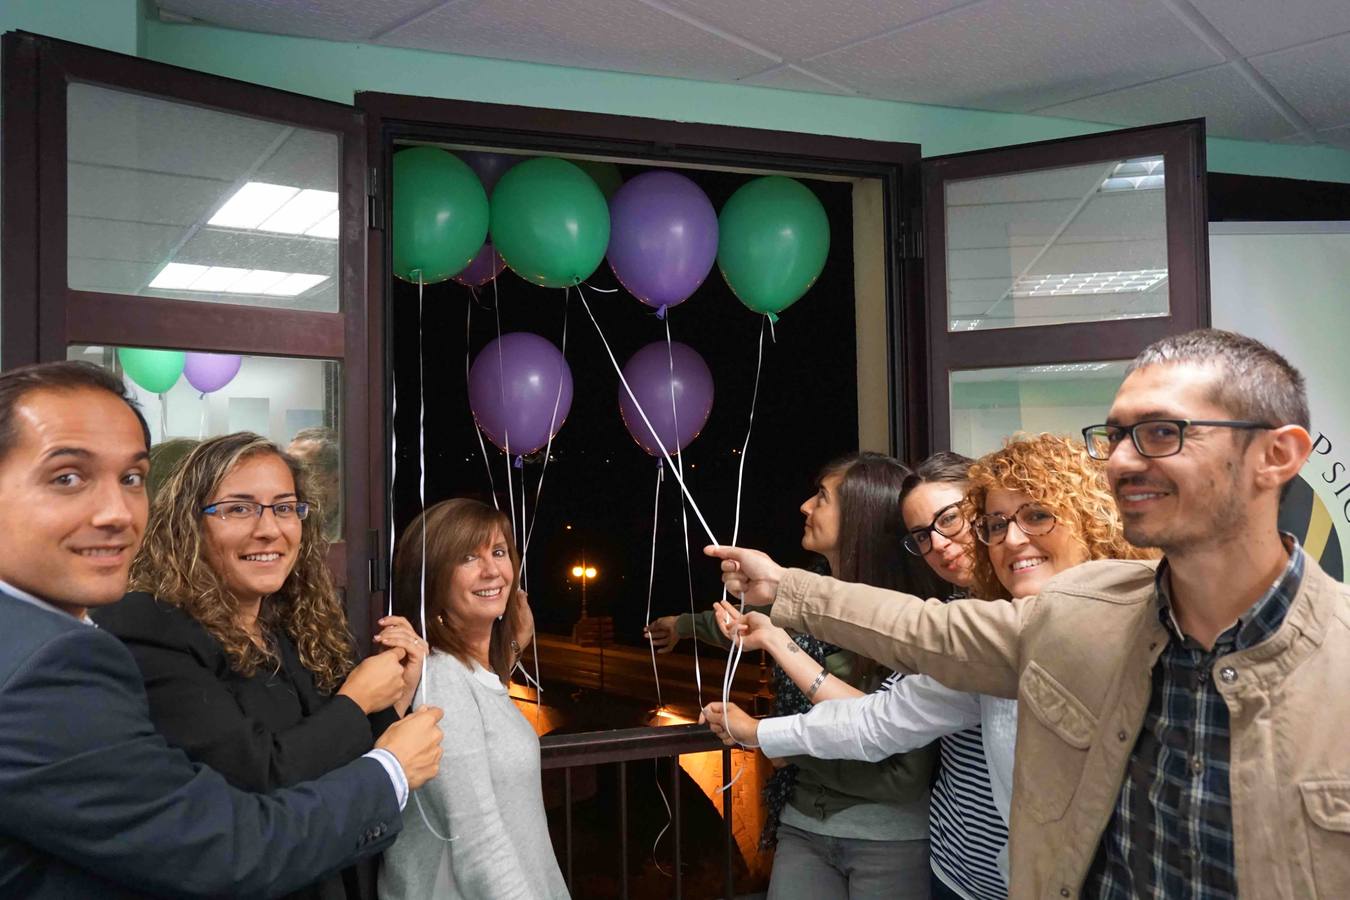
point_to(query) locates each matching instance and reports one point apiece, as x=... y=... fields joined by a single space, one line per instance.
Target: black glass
x=1032 y=518
x=248 y=509
x=947 y=522
x=1154 y=438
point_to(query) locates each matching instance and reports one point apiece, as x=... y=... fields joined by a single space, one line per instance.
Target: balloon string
x=552 y=426
x=670 y=816
x=423 y=686
x=651 y=581
x=163 y=416
x=684 y=508
x=482 y=447
x=506 y=429
x=629 y=390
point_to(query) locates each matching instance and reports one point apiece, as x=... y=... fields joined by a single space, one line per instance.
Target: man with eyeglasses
x=1181 y=725
x=93 y=802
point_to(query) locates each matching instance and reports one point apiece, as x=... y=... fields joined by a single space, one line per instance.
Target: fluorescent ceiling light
x=280 y=209
x=252 y=204
x=326 y=228
x=1143 y=174
x=1082 y=284
x=302 y=212
x=230 y=280
x=1067 y=368
x=295 y=284
x=177 y=276
x=217 y=278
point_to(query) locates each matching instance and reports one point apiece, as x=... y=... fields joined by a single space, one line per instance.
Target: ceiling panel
x=1257 y=27
x=128 y=241
x=789 y=78
x=108 y=276
x=1338 y=136
x=333 y=20
x=600 y=34
x=1018 y=55
x=101 y=192
x=798 y=29
x=1315 y=78
x=1227 y=101
x=307 y=159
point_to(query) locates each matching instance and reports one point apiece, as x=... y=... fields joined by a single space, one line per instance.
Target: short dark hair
x=1254 y=383
x=57 y=376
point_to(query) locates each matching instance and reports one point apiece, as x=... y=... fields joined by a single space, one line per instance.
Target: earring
x=499 y=618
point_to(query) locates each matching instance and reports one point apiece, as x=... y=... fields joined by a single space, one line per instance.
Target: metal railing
x=622 y=746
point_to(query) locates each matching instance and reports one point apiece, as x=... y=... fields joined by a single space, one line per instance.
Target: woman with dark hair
x=241 y=636
x=482 y=832
x=1038 y=506
x=842 y=828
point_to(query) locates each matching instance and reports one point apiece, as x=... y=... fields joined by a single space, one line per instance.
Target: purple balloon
x=662 y=238
x=520 y=390
x=209 y=372
x=648 y=373
x=487 y=265
x=489 y=166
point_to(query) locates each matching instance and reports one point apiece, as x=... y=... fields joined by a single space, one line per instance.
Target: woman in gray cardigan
x=477 y=831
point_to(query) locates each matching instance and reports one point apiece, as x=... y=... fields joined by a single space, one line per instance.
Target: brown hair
x=453 y=530
x=58 y=376
x=1057 y=473
x=172 y=565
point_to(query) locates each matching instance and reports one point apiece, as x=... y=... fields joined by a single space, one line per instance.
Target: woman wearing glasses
x=240 y=634
x=1039 y=506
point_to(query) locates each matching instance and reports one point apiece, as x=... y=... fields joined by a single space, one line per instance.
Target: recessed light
x=252 y=204
x=302 y=212
x=1077 y=284
x=177 y=276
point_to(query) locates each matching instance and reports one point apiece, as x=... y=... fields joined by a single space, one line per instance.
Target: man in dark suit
x=93 y=802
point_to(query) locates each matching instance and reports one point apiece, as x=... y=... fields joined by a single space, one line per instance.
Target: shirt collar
x=1263 y=618
x=28 y=598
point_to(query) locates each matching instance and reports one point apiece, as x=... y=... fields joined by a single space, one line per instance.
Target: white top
x=487 y=797
x=916 y=711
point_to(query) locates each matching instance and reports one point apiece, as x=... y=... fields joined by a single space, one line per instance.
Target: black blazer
x=94 y=803
x=270 y=730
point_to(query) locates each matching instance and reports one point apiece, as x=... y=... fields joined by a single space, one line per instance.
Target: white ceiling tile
x=149 y=197
x=599 y=34
x=114 y=239
x=1257 y=27
x=1018 y=55
x=790 y=78
x=797 y=29
x=333 y=20
x=1230 y=105
x=108 y=275
x=1315 y=78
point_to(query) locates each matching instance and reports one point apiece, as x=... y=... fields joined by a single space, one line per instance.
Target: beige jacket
x=1079 y=658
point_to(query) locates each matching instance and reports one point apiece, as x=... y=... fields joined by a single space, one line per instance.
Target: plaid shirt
x=1171 y=834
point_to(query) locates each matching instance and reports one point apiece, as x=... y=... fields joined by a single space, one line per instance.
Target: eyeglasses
x=1154 y=438
x=247 y=509
x=947 y=522
x=1032 y=518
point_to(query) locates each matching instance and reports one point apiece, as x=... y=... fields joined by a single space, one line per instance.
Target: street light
x=584 y=573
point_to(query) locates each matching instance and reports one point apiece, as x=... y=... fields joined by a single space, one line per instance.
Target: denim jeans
x=810 y=866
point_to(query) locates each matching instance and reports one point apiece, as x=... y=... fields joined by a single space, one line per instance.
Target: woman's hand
x=755 y=628
x=662 y=633
x=732 y=724
x=377 y=683
x=396 y=631
x=525 y=628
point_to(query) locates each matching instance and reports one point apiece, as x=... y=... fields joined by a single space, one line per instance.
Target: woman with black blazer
x=241 y=636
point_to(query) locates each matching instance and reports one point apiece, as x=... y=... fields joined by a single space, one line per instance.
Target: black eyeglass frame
x=300 y=506
x=1116 y=433
x=1008 y=520
x=911 y=540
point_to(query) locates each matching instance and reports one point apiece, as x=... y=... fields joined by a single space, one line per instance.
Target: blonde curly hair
x=172 y=565
x=1056 y=472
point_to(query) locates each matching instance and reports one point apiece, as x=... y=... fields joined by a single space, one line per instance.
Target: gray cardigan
x=487 y=799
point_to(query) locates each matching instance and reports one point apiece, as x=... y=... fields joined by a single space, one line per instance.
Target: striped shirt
x=966 y=834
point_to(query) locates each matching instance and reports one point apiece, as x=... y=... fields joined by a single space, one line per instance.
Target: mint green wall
x=336 y=71
x=109 y=24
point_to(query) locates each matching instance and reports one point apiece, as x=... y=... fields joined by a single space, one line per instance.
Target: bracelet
x=815 y=685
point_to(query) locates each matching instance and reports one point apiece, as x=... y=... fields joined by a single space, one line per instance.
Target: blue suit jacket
x=93 y=802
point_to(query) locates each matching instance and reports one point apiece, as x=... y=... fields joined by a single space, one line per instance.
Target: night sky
x=599 y=481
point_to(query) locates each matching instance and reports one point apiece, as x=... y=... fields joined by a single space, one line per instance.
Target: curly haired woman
x=1039 y=506
x=241 y=636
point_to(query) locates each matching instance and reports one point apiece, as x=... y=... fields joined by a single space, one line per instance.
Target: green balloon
x=773 y=238
x=605 y=175
x=550 y=222
x=440 y=214
x=154 y=370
